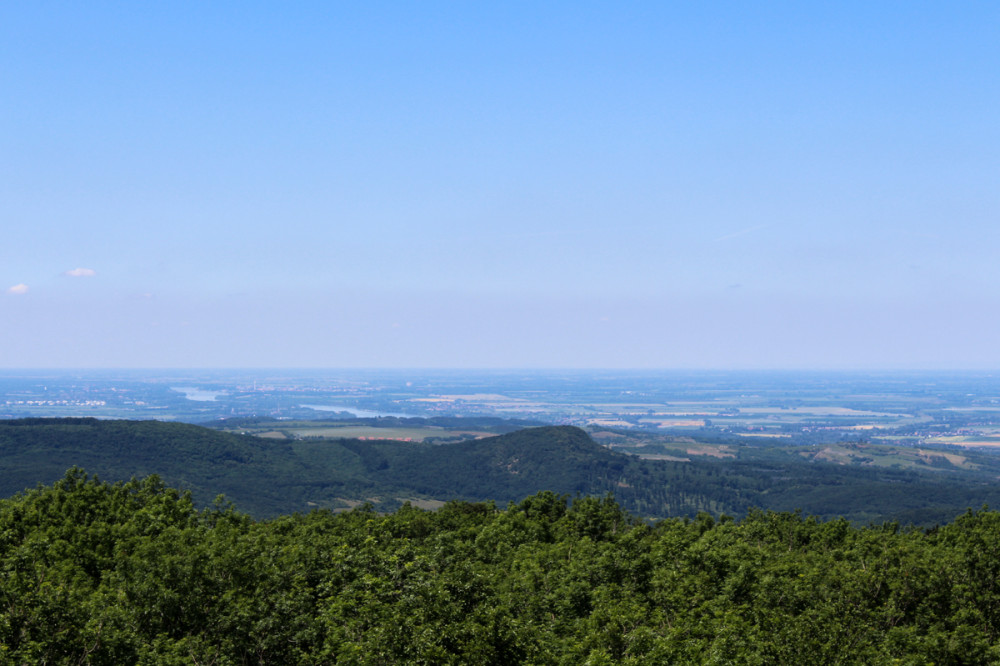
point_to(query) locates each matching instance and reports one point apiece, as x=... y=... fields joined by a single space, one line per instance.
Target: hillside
x=508 y=467
x=268 y=477
x=209 y=463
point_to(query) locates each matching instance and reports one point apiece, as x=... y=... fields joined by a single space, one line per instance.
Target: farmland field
x=355 y=430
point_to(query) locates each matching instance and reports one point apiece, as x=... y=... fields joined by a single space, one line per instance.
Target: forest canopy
x=134 y=572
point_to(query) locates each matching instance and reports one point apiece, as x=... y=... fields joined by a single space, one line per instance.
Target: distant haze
x=662 y=185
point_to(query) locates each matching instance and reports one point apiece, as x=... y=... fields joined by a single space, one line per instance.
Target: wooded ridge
x=270 y=477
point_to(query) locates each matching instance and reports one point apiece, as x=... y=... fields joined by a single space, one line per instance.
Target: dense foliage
x=134 y=573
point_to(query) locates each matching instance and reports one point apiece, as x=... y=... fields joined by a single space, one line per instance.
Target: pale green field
x=333 y=430
x=904 y=457
x=965 y=440
x=369 y=432
x=817 y=411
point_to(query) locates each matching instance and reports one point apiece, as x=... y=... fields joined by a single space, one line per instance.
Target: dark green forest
x=98 y=573
x=270 y=477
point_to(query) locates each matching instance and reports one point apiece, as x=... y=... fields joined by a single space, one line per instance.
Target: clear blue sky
x=517 y=184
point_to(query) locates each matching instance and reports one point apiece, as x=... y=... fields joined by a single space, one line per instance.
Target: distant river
x=360 y=413
x=198 y=394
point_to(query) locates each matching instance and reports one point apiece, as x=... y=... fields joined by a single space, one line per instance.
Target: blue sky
x=587 y=184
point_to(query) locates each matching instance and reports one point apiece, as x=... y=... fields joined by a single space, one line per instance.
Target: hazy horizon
x=561 y=186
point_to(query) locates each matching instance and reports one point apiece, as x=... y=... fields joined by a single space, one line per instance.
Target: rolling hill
x=267 y=477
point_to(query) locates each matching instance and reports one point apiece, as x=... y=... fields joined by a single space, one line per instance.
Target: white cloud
x=18 y=289
x=81 y=272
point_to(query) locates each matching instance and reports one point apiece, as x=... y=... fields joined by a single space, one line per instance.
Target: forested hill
x=507 y=468
x=207 y=462
x=268 y=477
